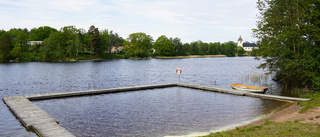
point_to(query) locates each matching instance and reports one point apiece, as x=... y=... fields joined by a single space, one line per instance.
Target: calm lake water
x=158 y=112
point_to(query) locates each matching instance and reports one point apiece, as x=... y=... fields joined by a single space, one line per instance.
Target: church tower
x=240 y=42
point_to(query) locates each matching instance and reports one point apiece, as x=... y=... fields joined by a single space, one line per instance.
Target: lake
x=158 y=112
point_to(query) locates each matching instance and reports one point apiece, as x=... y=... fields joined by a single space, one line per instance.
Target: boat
x=249 y=88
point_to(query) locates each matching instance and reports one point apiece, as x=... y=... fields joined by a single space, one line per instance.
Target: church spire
x=240 y=42
x=240 y=39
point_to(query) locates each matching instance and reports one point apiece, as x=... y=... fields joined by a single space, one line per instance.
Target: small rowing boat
x=249 y=88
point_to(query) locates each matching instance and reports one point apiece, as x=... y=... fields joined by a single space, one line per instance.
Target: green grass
x=295 y=128
x=315 y=102
x=274 y=129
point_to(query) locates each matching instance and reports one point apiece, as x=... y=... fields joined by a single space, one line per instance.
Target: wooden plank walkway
x=143 y=87
x=239 y=92
x=95 y=92
x=34 y=118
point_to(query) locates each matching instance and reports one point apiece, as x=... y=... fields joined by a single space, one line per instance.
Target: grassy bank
x=274 y=129
x=296 y=127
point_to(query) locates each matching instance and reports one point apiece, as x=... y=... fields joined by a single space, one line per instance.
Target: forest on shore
x=70 y=43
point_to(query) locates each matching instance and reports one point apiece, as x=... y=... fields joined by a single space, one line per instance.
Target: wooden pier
x=239 y=92
x=34 y=118
x=95 y=92
x=44 y=125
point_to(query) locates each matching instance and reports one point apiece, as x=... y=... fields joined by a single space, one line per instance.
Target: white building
x=31 y=43
x=117 y=49
x=247 y=46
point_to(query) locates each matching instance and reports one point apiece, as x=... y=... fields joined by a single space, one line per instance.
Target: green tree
x=217 y=48
x=2 y=32
x=204 y=47
x=240 y=50
x=16 y=51
x=104 y=37
x=77 y=43
x=52 y=49
x=69 y=35
x=288 y=33
x=19 y=36
x=177 y=44
x=230 y=48
x=211 y=49
x=140 y=43
x=5 y=47
x=221 y=49
x=41 y=33
x=94 y=40
x=163 y=46
x=19 y=42
x=86 y=42
x=194 y=48
x=186 y=49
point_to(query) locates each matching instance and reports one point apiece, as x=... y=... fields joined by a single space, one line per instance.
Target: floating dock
x=34 y=118
x=44 y=125
x=239 y=92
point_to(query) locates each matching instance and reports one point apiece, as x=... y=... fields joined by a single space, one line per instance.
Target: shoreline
x=291 y=112
x=273 y=115
x=132 y=58
x=258 y=120
x=244 y=124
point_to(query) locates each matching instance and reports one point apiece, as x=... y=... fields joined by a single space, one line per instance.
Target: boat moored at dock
x=249 y=88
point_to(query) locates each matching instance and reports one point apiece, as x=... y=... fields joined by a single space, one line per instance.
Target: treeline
x=71 y=43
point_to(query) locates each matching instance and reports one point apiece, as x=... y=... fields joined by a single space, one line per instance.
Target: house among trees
x=31 y=43
x=116 y=49
x=247 y=46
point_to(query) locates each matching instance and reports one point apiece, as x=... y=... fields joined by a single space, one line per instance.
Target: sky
x=189 y=20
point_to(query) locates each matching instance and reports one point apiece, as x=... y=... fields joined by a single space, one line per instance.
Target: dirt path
x=291 y=113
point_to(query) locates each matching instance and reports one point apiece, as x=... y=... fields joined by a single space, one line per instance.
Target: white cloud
x=207 y=20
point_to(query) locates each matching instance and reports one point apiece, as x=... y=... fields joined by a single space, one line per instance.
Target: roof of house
x=249 y=45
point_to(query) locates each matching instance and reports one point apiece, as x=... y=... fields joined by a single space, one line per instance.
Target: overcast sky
x=190 y=20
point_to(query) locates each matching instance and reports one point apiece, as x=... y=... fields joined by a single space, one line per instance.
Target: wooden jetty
x=240 y=92
x=95 y=92
x=34 y=118
x=44 y=125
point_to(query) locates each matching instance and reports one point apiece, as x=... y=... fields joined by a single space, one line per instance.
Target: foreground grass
x=315 y=102
x=288 y=128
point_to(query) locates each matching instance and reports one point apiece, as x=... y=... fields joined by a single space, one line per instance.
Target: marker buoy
x=178 y=71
